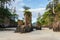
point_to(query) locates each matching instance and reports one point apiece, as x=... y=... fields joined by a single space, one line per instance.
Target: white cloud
x=37 y=9
x=34 y=10
x=21 y=9
x=18 y=0
x=34 y=13
x=18 y=3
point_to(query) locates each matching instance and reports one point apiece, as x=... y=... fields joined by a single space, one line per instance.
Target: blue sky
x=37 y=6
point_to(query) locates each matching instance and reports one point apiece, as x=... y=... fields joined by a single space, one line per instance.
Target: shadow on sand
x=7 y=29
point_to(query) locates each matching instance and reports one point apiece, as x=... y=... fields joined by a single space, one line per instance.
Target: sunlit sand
x=44 y=34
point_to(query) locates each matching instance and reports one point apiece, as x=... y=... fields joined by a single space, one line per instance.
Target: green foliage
x=5 y=12
x=1 y=21
x=46 y=19
x=57 y=9
x=27 y=12
x=3 y=2
x=14 y=16
x=49 y=6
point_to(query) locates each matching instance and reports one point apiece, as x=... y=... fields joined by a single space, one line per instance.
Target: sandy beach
x=44 y=34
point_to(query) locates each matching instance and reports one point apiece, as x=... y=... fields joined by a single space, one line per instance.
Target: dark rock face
x=50 y=26
x=38 y=28
x=56 y=26
x=18 y=29
x=27 y=29
x=24 y=29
